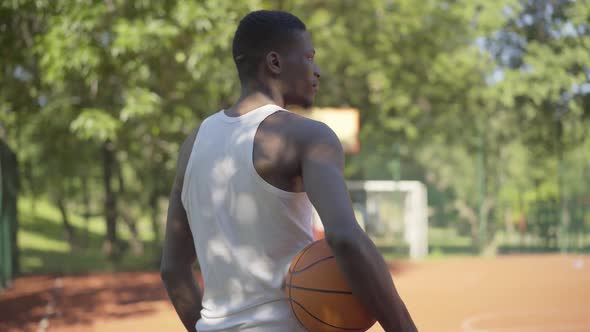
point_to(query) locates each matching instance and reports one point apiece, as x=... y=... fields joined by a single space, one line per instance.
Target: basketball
x=319 y=294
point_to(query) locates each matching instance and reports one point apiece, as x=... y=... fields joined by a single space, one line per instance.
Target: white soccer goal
x=393 y=210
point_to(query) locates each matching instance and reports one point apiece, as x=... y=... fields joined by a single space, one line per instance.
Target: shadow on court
x=462 y=294
x=23 y=305
x=79 y=300
x=96 y=302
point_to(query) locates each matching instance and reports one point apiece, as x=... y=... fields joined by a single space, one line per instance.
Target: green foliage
x=96 y=124
x=43 y=248
x=444 y=81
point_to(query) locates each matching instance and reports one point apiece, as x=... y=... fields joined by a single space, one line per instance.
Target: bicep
x=322 y=170
x=179 y=247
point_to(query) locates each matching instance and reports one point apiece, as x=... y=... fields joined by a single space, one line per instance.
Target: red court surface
x=506 y=294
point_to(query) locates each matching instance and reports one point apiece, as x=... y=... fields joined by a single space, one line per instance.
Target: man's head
x=274 y=47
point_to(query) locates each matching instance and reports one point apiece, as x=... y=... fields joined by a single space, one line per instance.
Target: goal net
x=393 y=213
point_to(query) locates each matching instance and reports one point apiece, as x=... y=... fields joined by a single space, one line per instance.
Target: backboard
x=344 y=121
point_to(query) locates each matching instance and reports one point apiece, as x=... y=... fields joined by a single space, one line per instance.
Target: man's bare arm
x=364 y=267
x=179 y=254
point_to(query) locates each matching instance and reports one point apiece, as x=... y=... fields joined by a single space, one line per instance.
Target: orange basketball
x=320 y=296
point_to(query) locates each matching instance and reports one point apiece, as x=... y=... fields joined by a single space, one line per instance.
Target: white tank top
x=246 y=231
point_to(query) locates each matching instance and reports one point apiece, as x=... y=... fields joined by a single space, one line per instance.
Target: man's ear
x=273 y=62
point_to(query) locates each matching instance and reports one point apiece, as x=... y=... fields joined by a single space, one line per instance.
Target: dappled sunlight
x=218 y=250
x=245 y=230
x=42 y=241
x=246 y=206
x=464 y=127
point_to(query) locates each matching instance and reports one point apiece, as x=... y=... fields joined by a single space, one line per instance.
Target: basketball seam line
x=302 y=253
x=312 y=264
x=318 y=290
x=323 y=322
x=291 y=302
x=291 y=280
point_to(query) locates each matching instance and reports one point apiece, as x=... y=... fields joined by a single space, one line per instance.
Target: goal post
x=394 y=210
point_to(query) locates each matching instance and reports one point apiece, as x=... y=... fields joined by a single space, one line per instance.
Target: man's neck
x=253 y=96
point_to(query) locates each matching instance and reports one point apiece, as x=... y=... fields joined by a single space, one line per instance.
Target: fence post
x=3 y=239
x=6 y=264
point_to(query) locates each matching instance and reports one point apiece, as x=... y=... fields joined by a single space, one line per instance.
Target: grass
x=442 y=243
x=445 y=243
x=510 y=243
x=44 y=250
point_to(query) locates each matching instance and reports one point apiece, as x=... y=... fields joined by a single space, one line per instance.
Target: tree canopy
x=97 y=96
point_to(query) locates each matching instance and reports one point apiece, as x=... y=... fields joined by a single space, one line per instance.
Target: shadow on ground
x=79 y=300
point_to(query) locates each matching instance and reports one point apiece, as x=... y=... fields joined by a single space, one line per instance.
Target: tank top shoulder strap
x=264 y=112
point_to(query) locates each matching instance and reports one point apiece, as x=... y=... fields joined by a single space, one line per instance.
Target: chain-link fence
x=547 y=226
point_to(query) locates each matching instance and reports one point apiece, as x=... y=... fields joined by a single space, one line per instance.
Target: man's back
x=246 y=229
x=247 y=189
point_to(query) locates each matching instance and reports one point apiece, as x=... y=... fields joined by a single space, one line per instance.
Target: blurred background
x=484 y=104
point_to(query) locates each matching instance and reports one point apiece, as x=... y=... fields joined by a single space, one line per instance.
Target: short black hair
x=260 y=32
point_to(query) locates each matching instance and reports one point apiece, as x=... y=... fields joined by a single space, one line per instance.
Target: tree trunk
x=135 y=241
x=29 y=178
x=69 y=230
x=469 y=214
x=155 y=217
x=136 y=245
x=562 y=236
x=489 y=246
x=155 y=206
x=110 y=247
x=87 y=210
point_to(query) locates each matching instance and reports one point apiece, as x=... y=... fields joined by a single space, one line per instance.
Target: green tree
x=544 y=52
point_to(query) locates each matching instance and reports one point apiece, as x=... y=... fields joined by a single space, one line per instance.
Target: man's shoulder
x=303 y=129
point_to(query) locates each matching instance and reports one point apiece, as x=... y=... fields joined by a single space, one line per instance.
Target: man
x=242 y=199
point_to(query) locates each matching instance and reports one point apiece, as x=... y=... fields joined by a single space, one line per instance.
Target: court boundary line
x=51 y=306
